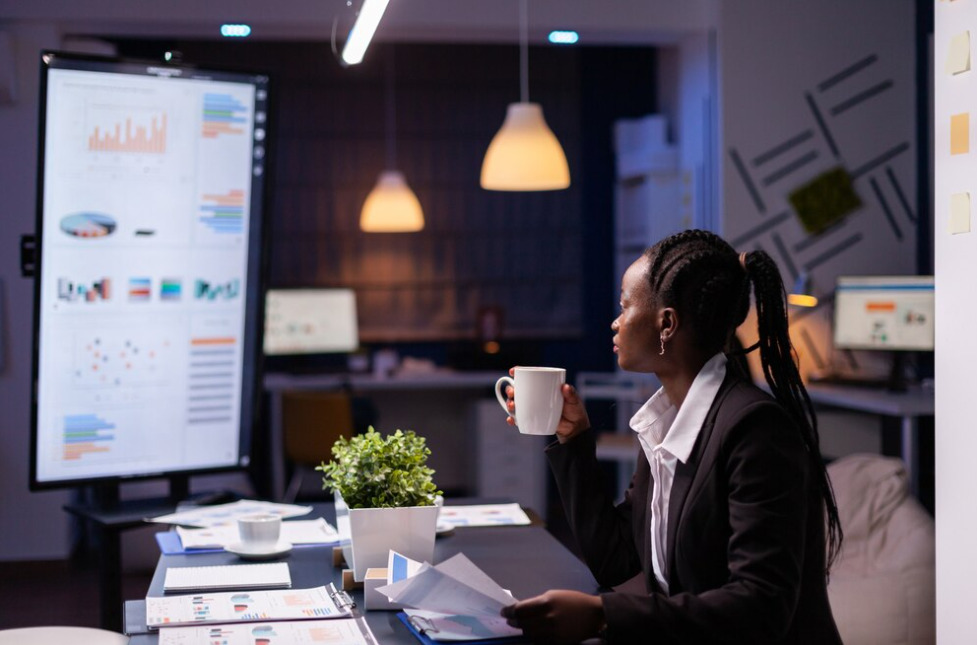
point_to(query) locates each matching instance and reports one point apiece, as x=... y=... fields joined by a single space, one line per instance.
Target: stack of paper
x=317 y=531
x=244 y=606
x=348 y=631
x=228 y=514
x=483 y=515
x=454 y=600
x=230 y=576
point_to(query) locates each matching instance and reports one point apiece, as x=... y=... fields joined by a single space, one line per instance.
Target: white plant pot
x=367 y=535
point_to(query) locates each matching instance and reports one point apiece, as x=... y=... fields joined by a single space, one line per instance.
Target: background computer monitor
x=887 y=313
x=310 y=321
x=884 y=312
x=147 y=340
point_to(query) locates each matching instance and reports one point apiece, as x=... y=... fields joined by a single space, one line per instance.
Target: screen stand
x=897 y=373
x=109 y=517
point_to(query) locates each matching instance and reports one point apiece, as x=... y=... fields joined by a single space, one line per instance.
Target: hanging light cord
x=391 y=112
x=524 y=51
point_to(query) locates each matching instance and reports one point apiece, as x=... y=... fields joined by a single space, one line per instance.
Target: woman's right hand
x=573 y=419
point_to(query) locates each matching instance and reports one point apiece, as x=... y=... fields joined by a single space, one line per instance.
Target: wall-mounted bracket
x=28 y=255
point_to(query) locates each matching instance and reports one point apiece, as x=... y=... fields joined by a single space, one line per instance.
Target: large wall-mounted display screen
x=148 y=296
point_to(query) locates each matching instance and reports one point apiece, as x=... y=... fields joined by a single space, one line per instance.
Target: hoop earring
x=662 y=339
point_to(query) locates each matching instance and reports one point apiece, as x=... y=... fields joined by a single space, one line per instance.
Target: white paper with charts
x=454 y=600
x=228 y=514
x=344 y=631
x=243 y=606
x=317 y=531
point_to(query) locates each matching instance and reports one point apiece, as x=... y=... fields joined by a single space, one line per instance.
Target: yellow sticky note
x=960 y=133
x=958 y=57
x=959 y=213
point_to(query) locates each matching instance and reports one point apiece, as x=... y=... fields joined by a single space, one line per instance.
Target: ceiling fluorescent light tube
x=363 y=29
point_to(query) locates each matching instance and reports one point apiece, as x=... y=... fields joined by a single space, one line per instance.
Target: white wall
x=956 y=342
x=775 y=58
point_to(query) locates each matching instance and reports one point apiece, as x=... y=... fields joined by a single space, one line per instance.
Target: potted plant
x=385 y=498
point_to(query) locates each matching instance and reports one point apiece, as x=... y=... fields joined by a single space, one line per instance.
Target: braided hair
x=703 y=278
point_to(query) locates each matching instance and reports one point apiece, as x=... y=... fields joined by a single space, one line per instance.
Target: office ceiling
x=597 y=21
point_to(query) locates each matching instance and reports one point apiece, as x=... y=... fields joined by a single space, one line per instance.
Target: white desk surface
x=914 y=402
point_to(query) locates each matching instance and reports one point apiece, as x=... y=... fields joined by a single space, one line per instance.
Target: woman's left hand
x=557 y=616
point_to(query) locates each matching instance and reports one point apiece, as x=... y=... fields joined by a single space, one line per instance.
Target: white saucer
x=444 y=528
x=249 y=552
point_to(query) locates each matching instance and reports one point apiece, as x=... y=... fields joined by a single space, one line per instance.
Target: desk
x=525 y=559
x=451 y=411
x=907 y=406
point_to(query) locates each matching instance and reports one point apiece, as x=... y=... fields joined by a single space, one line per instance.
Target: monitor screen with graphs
x=148 y=303
x=310 y=321
x=884 y=312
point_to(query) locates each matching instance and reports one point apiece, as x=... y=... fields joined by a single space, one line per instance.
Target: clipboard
x=421 y=633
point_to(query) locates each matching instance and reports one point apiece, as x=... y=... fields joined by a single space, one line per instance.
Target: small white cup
x=259 y=530
x=539 y=399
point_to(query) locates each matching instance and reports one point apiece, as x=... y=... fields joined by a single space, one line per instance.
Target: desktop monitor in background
x=889 y=313
x=310 y=328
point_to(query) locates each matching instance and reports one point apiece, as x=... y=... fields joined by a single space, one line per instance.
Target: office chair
x=311 y=423
x=60 y=636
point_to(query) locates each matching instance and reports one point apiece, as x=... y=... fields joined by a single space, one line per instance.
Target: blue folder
x=427 y=640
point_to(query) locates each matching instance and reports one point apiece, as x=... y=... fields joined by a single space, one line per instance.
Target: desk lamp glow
x=800 y=295
x=524 y=154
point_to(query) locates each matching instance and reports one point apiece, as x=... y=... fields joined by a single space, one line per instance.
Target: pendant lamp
x=525 y=154
x=391 y=207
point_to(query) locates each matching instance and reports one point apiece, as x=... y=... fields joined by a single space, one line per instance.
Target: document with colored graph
x=347 y=631
x=245 y=606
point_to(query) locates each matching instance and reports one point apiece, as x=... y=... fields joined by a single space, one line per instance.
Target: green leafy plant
x=372 y=471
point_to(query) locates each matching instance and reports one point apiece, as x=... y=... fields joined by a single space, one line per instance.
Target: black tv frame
x=106 y=488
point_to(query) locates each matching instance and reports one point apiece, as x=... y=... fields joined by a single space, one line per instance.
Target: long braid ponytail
x=701 y=275
x=779 y=364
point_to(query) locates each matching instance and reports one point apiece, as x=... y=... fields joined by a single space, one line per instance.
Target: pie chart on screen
x=88 y=225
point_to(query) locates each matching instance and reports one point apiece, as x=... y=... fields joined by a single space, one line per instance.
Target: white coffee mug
x=539 y=398
x=260 y=529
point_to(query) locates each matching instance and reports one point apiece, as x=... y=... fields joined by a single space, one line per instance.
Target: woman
x=730 y=510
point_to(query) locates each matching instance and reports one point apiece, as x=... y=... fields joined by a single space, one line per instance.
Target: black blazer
x=746 y=532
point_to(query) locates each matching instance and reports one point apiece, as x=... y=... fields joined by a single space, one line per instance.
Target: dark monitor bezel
x=256 y=269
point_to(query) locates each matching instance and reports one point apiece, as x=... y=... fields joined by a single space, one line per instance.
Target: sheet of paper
x=960 y=133
x=400 y=567
x=207 y=516
x=345 y=631
x=317 y=531
x=483 y=515
x=456 y=586
x=231 y=576
x=242 y=606
x=958 y=56
x=959 y=213
x=449 y=627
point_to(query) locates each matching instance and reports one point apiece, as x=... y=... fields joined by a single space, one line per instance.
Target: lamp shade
x=801 y=295
x=391 y=207
x=525 y=154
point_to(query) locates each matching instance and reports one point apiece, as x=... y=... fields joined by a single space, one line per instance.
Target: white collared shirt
x=667 y=436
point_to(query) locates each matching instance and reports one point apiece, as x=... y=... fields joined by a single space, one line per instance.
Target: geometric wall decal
x=960 y=133
x=825 y=200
